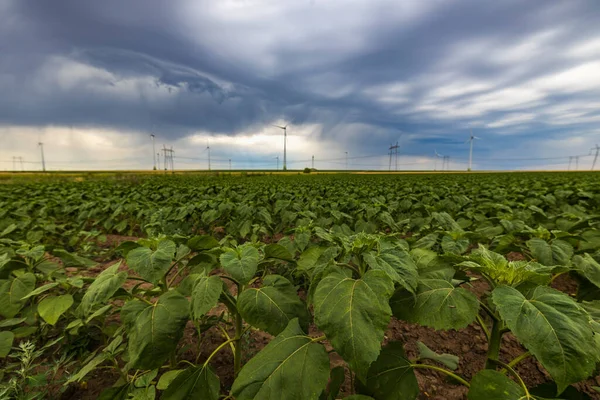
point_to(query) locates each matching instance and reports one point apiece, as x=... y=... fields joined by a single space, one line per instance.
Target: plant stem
x=442 y=370
x=494 y=345
x=484 y=327
x=488 y=310
x=517 y=376
x=351 y=267
x=237 y=354
x=518 y=359
x=556 y=276
x=318 y=339
x=216 y=351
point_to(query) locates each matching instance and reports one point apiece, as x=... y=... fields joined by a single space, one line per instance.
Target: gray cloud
x=418 y=70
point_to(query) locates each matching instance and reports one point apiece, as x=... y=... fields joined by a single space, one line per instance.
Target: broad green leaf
x=152 y=265
x=547 y=390
x=458 y=246
x=24 y=331
x=241 y=262
x=194 y=383
x=146 y=379
x=11 y=293
x=205 y=295
x=6 y=341
x=51 y=308
x=431 y=266
x=146 y=393
x=308 y=259
x=272 y=306
x=277 y=251
x=588 y=267
x=73 y=260
x=438 y=304
x=493 y=385
x=116 y=393
x=554 y=328
x=165 y=379
x=41 y=290
x=449 y=360
x=353 y=314
x=398 y=264
x=290 y=367
x=87 y=368
x=154 y=329
x=11 y=322
x=336 y=380
x=202 y=242
x=558 y=252
x=391 y=376
x=503 y=272
x=101 y=290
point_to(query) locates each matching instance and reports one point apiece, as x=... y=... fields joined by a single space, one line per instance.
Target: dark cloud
x=423 y=72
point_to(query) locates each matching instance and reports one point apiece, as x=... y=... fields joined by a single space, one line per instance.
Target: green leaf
x=194 y=383
x=241 y=263
x=308 y=259
x=431 y=266
x=354 y=314
x=24 y=331
x=458 y=246
x=399 y=266
x=588 y=267
x=557 y=253
x=272 y=306
x=391 y=376
x=41 y=290
x=6 y=341
x=103 y=288
x=152 y=265
x=290 y=367
x=154 y=329
x=205 y=295
x=279 y=252
x=87 y=368
x=146 y=379
x=438 y=304
x=11 y=293
x=165 y=379
x=554 y=328
x=493 y=385
x=202 y=242
x=73 y=260
x=51 y=308
x=503 y=272
x=547 y=390
x=449 y=360
x=116 y=393
x=11 y=322
x=336 y=380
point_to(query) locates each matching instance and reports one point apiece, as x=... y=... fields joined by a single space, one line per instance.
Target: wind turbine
x=153 y=151
x=471 y=138
x=277 y=157
x=437 y=155
x=208 y=148
x=284 y=144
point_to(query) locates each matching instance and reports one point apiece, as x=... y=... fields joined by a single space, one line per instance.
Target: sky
x=92 y=80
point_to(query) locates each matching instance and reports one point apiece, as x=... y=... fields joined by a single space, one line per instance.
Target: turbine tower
x=153 y=151
x=277 y=157
x=284 y=144
x=43 y=160
x=471 y=138
x=438 y=155
x=597 y=148
x=208 y=148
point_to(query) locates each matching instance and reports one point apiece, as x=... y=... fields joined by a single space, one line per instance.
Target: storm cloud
x=349 y=75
